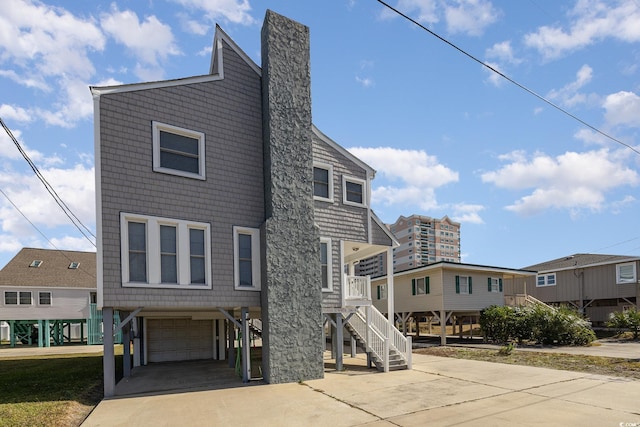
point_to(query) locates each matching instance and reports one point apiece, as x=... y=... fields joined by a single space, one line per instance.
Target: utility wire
x=521 y=86
x=65 y=208
x=43 y=235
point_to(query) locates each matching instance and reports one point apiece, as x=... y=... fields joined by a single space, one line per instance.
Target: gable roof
x=580 y=261
x=371 y=172
x=448 y=265
x=54 y=270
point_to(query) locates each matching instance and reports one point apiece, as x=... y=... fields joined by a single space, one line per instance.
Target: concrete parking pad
x=438 y=391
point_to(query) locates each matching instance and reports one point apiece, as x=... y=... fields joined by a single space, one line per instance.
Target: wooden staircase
x=386 y=346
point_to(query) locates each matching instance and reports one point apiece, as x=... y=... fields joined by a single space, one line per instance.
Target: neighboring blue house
x=219 y=202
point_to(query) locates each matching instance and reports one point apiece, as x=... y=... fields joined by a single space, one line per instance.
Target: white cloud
x=622 y=108
x=569 y=95
x=502 y=51
x=426 y=10
x=591 y=21
x=365 y=81
x=150 y=40
x=416 y=174
x=467 y=213
x=470 y=16
x=12 y=112
x=571 y=181
x=494 y=78
x=47 y=40
x=75 y=186
x=234 y=11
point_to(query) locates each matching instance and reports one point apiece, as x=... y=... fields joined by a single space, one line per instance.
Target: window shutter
x=500 y=285
x=457 y=284
x=489 y=284
x=426 y=285
x=413 y=286
x=470 y=290
x=378 y=289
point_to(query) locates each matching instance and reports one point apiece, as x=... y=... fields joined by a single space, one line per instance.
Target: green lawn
x=56 y=390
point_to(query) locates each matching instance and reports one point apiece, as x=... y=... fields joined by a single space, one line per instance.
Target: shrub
x=538 y=323
x=628 y=319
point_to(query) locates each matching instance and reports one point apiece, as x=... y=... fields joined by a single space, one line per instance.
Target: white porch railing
x=357 y=288
x=380 y=336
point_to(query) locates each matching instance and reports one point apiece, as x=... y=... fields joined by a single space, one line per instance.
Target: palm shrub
x=538 y=323
x=627 y=319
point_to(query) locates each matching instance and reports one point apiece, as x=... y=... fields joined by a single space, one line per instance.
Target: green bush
x=538 y=324
x=628 y=319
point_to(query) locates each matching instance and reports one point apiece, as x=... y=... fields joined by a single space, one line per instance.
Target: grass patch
x=629 y=368
x=54 y=390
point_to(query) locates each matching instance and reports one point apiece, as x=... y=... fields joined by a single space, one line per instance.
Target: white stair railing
x=374 y=329
x=357 y=288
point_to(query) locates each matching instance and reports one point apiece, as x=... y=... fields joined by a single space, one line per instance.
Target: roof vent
x=74 y=265
x=35 y=263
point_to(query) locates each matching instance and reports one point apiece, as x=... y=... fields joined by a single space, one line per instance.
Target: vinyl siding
x=479 y=298
x=67 y=304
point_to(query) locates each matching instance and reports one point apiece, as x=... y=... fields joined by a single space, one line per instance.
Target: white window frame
x=157 y=127
x=255 y=258
x=354 y=180
x=18 y=296
x=546 y=277
x=620 y=280
x=495 y=284
x=153 y=224
x=329 y=264
x=465 y=290
x=329 y=169
x=382 y=291
x=50 y=299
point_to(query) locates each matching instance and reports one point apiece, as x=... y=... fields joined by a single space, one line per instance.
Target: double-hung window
x=353 y=191
x=382 y=291
x=546 y=280
x=246 y=243
x=626 y=273
x=494 y=284
x=420 y=286
x=165 y=252
x=463 y=285
x=326 y=264
x=178 y=151
x=323 y=182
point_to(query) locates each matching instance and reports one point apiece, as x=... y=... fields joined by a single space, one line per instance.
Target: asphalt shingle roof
x=578 y=260
x=54 y=270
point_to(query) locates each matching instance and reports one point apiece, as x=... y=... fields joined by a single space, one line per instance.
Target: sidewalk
x=437 y=392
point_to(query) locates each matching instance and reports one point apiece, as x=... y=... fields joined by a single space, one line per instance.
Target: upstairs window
x=546 y=280
x=74 y=265
x=494 y=284
x=353 y=191
x=178 y=151
x=246 y=243
x=17 y=298
x=420 y=286
x=44 y=298
x=626 y=273
x=35 y=263
x=323 y=182
x=463 y=285
x=164 y=252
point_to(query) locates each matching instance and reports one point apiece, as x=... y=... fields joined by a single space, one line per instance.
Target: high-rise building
x=423 y=240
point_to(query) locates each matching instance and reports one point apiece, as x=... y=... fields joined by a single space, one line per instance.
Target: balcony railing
x=357 y=288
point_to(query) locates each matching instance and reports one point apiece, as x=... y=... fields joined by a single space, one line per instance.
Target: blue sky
x=446 y=136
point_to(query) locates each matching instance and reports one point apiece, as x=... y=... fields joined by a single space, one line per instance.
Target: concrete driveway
x=438 y=391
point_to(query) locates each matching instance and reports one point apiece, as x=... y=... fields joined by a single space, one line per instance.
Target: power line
x=65 y=208
x=521 y=86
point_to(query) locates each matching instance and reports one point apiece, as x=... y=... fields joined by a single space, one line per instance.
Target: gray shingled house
x=48 y=297
x=220 y=204
x=594 y=284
